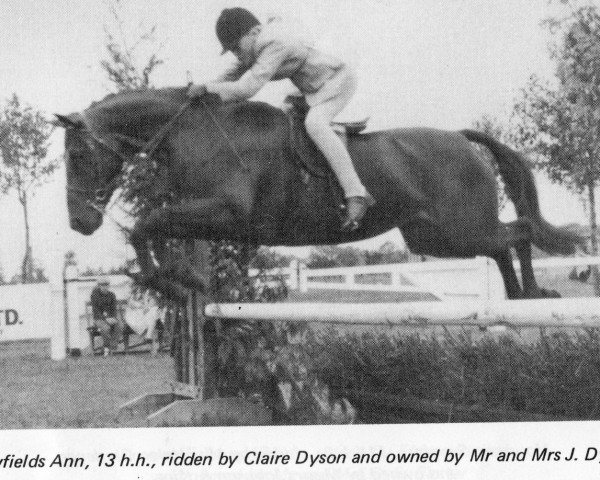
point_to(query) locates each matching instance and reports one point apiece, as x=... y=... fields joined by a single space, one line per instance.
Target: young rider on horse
x=265 y=52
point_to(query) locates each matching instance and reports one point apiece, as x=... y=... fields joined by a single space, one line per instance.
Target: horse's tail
x=520 y=187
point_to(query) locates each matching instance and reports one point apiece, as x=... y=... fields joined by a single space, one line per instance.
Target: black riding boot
x=356 y=207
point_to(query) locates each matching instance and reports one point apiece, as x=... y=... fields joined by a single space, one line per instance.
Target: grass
x=558 y=376
x=83 y=392
x=86 y=392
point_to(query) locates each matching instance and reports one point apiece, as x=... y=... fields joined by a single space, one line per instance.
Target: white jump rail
x=571 y=312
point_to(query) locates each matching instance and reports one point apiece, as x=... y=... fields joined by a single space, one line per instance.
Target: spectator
x=104 y=310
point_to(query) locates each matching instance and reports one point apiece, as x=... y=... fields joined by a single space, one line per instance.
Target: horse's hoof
x=541 y=293
x=549 y=293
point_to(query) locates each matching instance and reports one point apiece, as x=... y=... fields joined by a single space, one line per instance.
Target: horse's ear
x=67 y=122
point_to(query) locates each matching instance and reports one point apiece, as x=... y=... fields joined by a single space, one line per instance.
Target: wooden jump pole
x=560 y=312
x=199 y=254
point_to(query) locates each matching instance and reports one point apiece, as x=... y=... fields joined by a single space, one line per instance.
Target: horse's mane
x=169 y=94
x=243 y=111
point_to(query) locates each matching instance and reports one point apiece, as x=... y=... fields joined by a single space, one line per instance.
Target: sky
x=438 y=63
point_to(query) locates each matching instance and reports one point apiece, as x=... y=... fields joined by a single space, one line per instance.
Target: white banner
x=25 y=312
x=458 y=451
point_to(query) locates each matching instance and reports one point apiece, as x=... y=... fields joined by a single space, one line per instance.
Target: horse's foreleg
x=140 y=243
x=201 y=218
x=198 y=219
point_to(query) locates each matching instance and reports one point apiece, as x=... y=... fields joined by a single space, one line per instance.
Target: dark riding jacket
x=104 y=304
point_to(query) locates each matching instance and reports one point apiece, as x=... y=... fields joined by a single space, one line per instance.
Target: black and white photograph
x=277 y=239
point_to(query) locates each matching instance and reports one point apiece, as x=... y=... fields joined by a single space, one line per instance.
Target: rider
x=265 y=52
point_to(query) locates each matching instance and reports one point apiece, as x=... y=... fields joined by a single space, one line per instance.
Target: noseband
x=147 y=150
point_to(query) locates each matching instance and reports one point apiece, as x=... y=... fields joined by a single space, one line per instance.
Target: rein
x=213 y=117
x=147 y=150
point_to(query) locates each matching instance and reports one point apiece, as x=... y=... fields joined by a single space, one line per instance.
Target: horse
x=234 y=171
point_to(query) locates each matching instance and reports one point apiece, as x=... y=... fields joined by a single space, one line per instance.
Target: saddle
x=309 y=157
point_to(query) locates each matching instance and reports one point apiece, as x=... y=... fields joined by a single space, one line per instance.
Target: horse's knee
x=147 y=226
x=236 y=202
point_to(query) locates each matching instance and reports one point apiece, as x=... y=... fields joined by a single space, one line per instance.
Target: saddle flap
x=309 y=156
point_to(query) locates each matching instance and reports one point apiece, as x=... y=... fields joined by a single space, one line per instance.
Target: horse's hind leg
x=510 y=235
x=517 y=234
x=507 y=270
x=530 y=286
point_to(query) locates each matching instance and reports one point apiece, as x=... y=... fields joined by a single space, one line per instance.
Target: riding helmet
x=232 y=25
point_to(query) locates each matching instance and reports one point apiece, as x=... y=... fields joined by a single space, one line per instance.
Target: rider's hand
x=196 y=91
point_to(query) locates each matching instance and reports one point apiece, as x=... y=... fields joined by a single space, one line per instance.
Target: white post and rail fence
x=466 y=292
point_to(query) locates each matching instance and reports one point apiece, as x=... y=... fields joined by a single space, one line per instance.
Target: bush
x=558 y=376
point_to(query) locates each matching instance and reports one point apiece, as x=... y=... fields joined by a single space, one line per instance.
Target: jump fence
x=468 y=292
x=470 y=279
x=191 y=400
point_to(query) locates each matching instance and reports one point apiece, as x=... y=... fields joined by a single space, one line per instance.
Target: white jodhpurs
x=318 y=126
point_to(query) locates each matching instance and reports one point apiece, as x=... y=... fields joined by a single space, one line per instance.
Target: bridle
x=145 y=152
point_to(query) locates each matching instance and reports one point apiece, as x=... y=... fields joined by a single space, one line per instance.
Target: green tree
x=128 y=64
x=267 y=258
x=387 y=253
x=24 y=136
x=559 y=121
x=333 y=256
x=131 y=60
x=500 y=131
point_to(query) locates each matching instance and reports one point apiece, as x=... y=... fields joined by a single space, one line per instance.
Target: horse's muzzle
x=86 y=227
